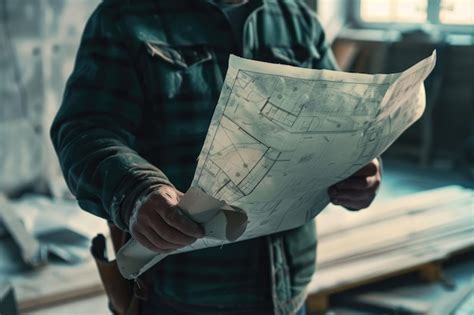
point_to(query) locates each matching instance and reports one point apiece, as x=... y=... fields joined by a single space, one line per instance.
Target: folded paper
x=281 y=135
x=219 y=220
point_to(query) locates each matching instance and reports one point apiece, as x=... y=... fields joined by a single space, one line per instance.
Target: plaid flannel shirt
x=137 y=106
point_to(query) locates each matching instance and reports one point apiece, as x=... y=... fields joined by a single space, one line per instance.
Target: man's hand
x=358 y=191
x=160 y=226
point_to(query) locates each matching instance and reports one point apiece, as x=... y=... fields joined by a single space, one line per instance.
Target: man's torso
x=181 y=50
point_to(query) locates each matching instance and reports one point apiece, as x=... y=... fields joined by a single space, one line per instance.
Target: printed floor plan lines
x=281 y=135
x=237 y=161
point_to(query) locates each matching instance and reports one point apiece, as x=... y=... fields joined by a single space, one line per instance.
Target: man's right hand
x=160 y=226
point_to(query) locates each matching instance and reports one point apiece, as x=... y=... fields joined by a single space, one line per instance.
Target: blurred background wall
x=38 y=40
x=383 y=36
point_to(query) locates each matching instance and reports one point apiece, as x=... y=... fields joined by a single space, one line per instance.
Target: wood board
x=409 y=234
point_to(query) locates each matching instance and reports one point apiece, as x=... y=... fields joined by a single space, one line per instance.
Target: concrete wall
x=39 y=40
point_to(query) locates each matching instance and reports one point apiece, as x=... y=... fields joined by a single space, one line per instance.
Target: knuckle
x=189 y=226
x=152 y=200
x=139 y=215
x=142 y=218
x=365 y=182
x=373 y=164
x=349 y=195
x=134 y=229
x=150 y=247
x=188 y=240
x=146 y=244
x=341 y=184
x=167 y=215
x=165 y=212
x=161 y=244
x=343 y=203
x=366 y=204
x=174 y=216
x=351 y=207
x=158 y=202
x=166 y=235
x=377 y=183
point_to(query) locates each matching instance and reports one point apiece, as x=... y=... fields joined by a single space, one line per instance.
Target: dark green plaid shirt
x=137 y=106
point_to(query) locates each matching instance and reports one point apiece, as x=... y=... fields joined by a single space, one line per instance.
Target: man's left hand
x=358 y=191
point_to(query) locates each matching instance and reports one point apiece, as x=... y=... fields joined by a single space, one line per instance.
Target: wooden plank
x=334 y=219
x=376 y=267
x=362 y=243
x=7 y=300
x=371 y=278
x=441 y=304
x=431 y=272
x=413 y=234
x=31 y=250
x=317 y=303
x=62 y=283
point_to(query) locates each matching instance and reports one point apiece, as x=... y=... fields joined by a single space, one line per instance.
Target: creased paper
x=219 y=220
x=281 y=135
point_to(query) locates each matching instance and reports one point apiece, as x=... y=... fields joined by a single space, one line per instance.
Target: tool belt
x=124 y=295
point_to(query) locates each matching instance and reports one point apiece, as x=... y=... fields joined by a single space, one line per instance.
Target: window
x=457 y=12
x=447 y=12
x=392 y=11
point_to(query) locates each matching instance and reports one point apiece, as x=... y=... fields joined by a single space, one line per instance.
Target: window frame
x=432 y=20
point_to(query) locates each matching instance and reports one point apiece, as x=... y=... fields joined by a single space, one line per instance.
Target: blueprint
x=281 y=135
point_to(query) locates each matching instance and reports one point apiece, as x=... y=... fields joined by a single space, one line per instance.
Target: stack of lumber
x=50 y=223
x=56 y=284
x=390 y=238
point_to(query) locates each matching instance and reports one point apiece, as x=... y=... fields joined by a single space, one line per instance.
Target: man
x=137 y=106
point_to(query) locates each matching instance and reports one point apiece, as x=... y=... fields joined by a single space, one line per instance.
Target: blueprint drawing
x=281 y=135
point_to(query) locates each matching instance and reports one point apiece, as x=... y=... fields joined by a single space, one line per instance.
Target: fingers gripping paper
x=219 y=220
x=279 y=137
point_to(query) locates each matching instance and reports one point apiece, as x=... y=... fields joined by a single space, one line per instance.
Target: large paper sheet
x=281 y=135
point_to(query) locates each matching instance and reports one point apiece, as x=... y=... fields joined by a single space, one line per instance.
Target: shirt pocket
x=180 y=81
x=181 y=57
x=171 y=67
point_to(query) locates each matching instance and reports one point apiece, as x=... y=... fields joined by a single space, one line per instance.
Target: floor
x=96 y=305
x=398 y=179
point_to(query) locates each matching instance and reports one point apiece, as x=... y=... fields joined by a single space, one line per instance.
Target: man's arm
x=94 y=135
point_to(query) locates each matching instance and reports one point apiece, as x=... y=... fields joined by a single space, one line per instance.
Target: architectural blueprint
x=281 y=135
